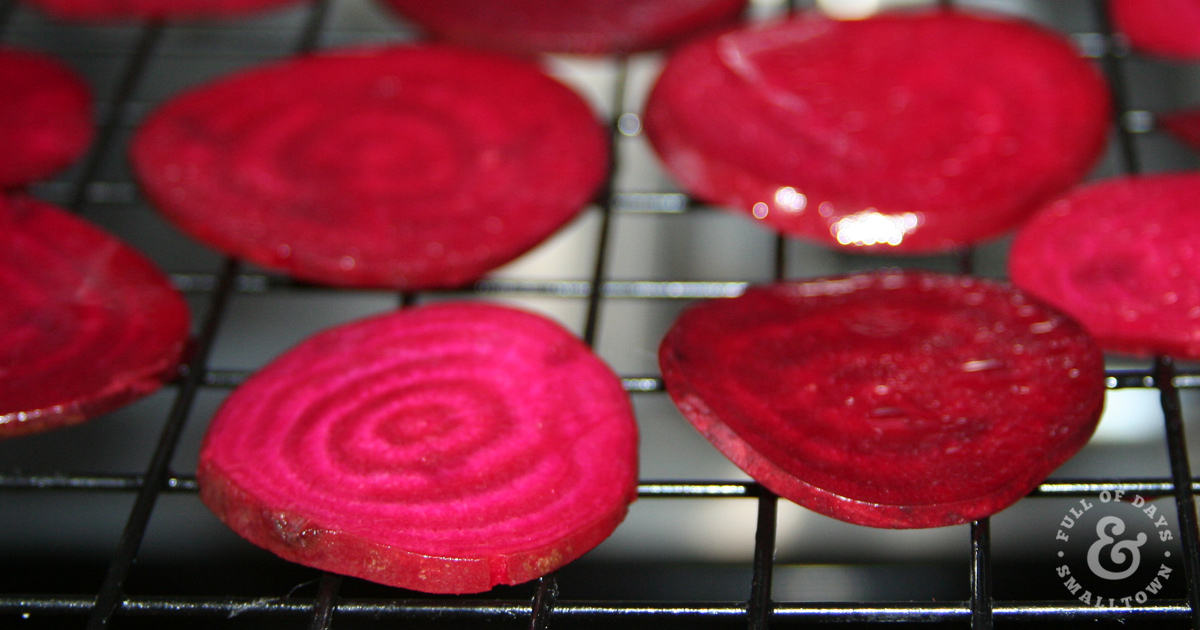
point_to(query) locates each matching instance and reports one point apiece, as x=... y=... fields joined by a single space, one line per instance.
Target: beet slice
x=1123 y=257
x=447 y=448
x=914 y=132
x=45 y=116
x=568 y=26
x=1184 y=125
x=402 y=167
x=123 y=10
x=88 y=323
x=1165 y=28
x=888 y=399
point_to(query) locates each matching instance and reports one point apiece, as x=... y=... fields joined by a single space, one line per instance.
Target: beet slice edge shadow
x=888 y=399
x=446 y=448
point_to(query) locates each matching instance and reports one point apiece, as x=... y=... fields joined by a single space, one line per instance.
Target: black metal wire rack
x=136 y=580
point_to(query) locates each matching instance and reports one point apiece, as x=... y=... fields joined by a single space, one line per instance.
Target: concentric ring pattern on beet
x=569 y=26
x=405 y=167
x=45 y=116
x=1123 y=257
x=88 y=323
x=888 y=399
x=128 y=10
x=1164 y=28
x=447 y=448
x=908 y=132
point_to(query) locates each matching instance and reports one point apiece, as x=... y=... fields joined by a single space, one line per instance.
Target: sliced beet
x=1166 y=28
x=1123 y=257
x=447 y=448
x=568 y=26
x=120 y=10
x=402 y=167
x=45 y=116
x=1184 y=125
x=914 y=132
x=88 y=323
x=888 y=399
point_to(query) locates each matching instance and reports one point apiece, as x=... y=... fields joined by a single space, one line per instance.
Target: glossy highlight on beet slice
x=903 y=133
x=406 y=167
x=569 y=26
x=446 y=448
x=1122 y=256
x=888 y=399
x=88 y=323
x=1165 y=28
x=127 y=10
x=45 y=116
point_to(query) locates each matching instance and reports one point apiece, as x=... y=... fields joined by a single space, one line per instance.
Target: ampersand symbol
x=1119 y=549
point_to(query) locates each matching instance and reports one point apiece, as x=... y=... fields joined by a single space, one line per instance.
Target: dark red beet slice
x=447 y=448
x=1184 y=125
x=901 y=133
x=407 y=167
x=88 y=323
x=1123 y=257
x=568 y=26
x=118 y=10
x=1167 y=28
x=45 y=117
x=891 y=399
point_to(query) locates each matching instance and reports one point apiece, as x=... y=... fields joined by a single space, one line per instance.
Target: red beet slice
x=568 y=26
x=406 y=167
x=1184 y=125
x=902 y=133
x=119 y=10
x=45 y=117
x=1123 y=257
x=1166 y=28
x=447 y=449
x=889 y=399
x=88 y=323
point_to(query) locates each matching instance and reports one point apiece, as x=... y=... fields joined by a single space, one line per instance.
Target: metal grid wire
x=92 y=187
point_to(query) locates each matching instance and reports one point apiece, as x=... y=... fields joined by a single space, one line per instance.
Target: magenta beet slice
x=568 y=26
x=45 y=117
x=1123 y=257
x=1166 y=28
x=901 y=133
x=405 y=167
x=120 y=10
x=447 y=449
x=888 y=399
x=88 y=323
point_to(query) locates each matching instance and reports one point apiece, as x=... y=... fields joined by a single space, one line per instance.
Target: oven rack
x=548 y=603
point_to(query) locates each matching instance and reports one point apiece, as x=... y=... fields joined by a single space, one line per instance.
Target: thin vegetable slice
x=45 y=116
x=401 y=167
x=1123 y=257
x=1184 y=125
x=569 y=26
x=125 y=10
x=902 y=133
x=447 y=449
x=1165 y=28
x=88 y=323
x=888 y=399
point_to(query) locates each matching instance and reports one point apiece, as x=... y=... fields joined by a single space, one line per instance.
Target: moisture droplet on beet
x=1165 y=28
x=402 y=167
x=45 y=117
x=568 y=26
x=888 y=399
x=88 y=323
x=1123 y=257
x=446 y=448
x=914 y=132
x=123 y=10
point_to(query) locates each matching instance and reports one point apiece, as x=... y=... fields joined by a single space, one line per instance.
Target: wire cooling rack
x=86 y=540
